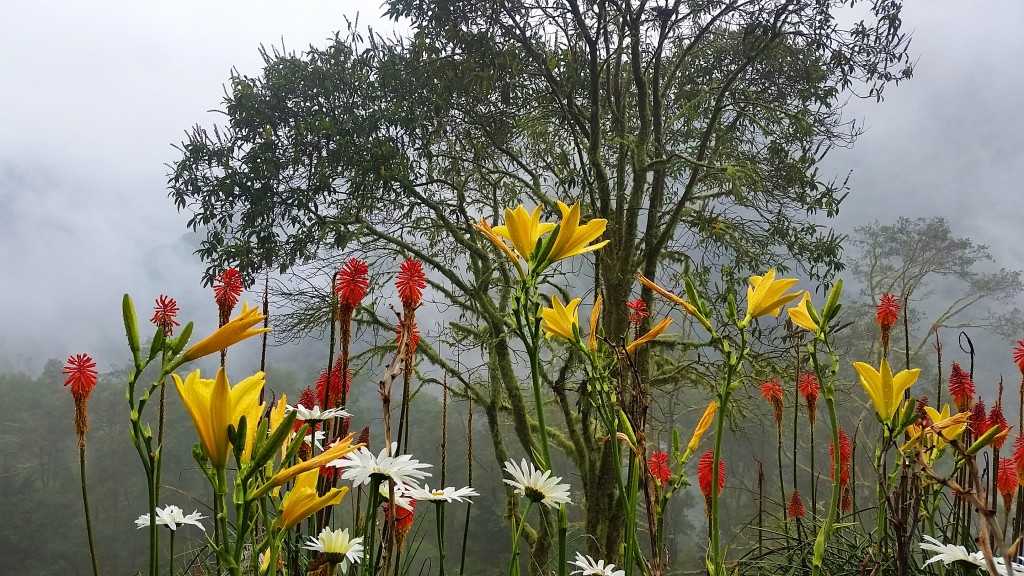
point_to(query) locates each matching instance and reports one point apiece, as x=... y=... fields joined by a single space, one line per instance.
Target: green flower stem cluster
x=229 y=424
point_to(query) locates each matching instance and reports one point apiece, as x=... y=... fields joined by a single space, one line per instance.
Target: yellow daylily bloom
x=239 y=328
x=884 y=389
x=702 y=426
x=561 y=320
x=574 y=239
x=523 y=229
x=801 y=316
x=950 y=426
x=651 y=335
x=302 y=501
x=689 y=308
x=594 y=315
x=766 y=295
x=214 y=405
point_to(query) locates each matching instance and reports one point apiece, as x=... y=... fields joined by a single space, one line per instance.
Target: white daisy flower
x=316 y=439
x=536 y=485
x=315 y=414
x=402 y=495
x=172 y=517
x=449 y=494
x=949 y=553
x=590 y=567
x=360 y=466
x=337 y=547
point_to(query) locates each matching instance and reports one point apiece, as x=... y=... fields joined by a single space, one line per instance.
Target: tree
x=694 y=128
x=921 y=259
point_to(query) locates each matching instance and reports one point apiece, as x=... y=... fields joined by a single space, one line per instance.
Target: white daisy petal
x=337 y=546
x=449 y=494
x=361 y=466
x=315 y=414
x=590 y=567
x=172 y=517
x=536 y=485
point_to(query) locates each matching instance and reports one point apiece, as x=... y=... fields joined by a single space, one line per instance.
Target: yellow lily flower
x=572 y=238
x=594 y=315
x=561 y=320
x=689 y=308
x=334 y=452
x=277 y=414
x=302 y=501
x=801 y=316
x=766 y=295
x=214 y=405
x=523 y=229
x=950 y=426
x=884 y=389
x=702 y=426
x=651 y=335
x=239 y=328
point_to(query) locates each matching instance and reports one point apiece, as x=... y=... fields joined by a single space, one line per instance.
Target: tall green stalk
x=716 y=562
x=85 y=501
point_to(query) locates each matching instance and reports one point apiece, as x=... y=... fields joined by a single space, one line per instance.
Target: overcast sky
x=93 y=94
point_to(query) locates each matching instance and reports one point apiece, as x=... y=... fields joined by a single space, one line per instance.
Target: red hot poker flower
x=226 y=289
x=1007 y=481
x=639 y=311
x=772 y=392
x=961 y=388
x=845 y=454
x=81 y=371
x=1018 y=356
x=403 y=520
x=808 y=387
x=996 y=418
x=339 y=386
x=978 y=420
x=704 y=474
x=164 y=312
x=1018 y=455
x=846 y=501
x=410 y=283
x=660 y=471
x=796 y=506
x=352 y=282
x=887 y=312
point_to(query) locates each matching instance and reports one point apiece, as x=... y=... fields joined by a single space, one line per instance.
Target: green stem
x=513 y=565
x=717 y=561
x=440 y=534
x=830 y=403
x=170 y=568
x=369 y=552
x=465 y=540
x=88 y=516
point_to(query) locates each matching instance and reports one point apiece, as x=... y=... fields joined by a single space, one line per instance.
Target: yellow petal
x=800 y=315
x=561 y=320
x=766 y=295
x=573 y=239
x=594 y=314
x=690 y=308
x=871 y=380
x=702 y=426
x=651 y=335
x=491 y=235
x=239 y=328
